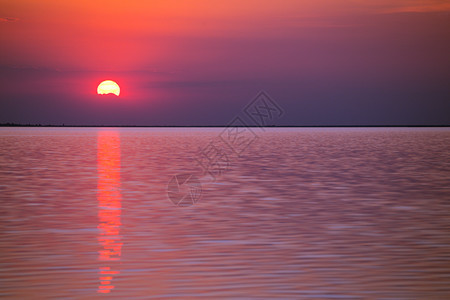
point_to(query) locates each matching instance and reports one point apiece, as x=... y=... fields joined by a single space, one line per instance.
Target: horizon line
x=214 y=126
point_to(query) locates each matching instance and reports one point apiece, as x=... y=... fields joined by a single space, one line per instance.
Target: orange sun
x=108 y=87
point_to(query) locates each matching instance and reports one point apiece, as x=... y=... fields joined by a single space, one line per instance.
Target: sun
x=108 y=87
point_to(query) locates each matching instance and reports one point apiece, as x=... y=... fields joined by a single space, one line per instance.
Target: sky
x=189 y=62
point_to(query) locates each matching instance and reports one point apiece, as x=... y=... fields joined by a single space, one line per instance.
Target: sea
x=224 y=213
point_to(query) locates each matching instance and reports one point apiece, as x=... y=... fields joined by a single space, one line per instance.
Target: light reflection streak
x=109 y=207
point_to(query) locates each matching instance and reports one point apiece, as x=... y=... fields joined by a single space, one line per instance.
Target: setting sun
x=108 y=87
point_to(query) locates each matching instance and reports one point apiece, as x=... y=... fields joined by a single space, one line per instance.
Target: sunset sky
x=189 y=62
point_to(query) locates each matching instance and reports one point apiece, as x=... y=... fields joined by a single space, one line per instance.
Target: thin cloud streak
x=8 y=19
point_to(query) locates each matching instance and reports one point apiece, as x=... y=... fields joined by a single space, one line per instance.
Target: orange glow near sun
x=108 y=87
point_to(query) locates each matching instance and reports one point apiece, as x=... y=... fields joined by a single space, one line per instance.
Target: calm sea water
x=300 y=214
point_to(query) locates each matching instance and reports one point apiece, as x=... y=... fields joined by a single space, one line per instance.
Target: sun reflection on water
x=109 y=207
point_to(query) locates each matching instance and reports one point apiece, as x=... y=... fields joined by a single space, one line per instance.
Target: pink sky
x=151 y=46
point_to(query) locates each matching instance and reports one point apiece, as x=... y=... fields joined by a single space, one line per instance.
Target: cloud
x=8 y=19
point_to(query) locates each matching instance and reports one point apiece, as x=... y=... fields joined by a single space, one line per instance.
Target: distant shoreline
x=211 y=126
